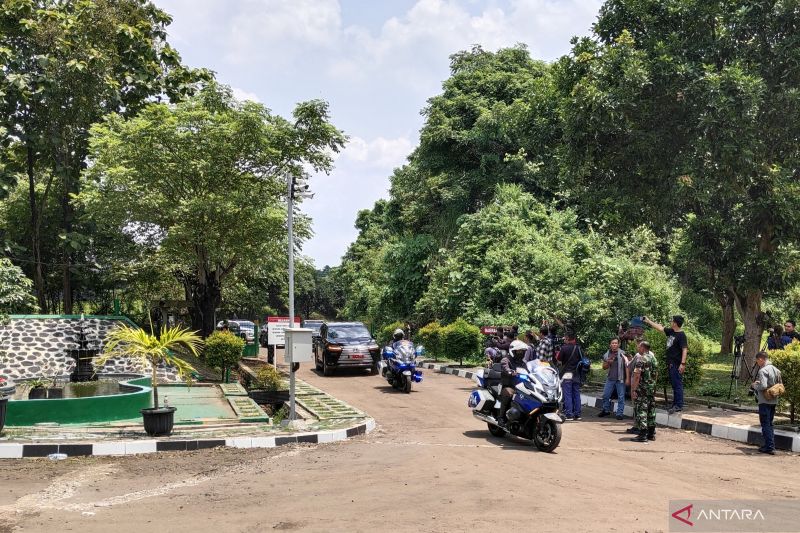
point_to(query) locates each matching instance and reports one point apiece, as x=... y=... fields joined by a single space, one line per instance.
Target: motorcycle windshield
x=546 y=375
x=404 y=352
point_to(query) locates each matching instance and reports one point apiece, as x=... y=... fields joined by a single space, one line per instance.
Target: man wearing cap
x=677 y=350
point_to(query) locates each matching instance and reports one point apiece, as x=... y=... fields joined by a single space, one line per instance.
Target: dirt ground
x=429 y=466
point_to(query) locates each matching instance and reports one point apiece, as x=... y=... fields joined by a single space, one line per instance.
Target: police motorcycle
x=533 y=413
x=398 y=363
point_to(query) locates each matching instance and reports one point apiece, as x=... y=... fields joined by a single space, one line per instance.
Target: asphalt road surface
x=429 y=466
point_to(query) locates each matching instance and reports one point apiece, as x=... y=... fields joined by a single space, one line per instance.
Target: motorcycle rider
x=516 y=357
x=397 y=336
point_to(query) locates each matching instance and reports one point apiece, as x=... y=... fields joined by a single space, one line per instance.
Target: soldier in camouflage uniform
x=643 y=392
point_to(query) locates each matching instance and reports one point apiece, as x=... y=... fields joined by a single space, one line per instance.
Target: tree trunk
x=36 y=240
x=66 y=225
x=206 y=296
x=748 y=303
x=728 y=322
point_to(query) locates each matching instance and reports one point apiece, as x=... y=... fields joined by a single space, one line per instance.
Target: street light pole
x=289 y=220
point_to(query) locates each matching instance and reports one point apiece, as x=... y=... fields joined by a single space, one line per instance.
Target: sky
x=376 y=62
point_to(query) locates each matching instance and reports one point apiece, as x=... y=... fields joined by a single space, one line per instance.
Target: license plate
x=357 y=356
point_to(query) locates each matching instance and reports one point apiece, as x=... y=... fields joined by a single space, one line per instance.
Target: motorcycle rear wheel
x=547 y=437
x=497 y=431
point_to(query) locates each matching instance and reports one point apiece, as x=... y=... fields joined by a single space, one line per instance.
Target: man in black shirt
x=790 y=330
x=677 y=350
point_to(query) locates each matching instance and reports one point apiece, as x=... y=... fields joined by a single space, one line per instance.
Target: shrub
x=788 y=362
x=430 y=337
x=386 y=332
x=268 y=378
x=695 y=358
x=461 y=340
x=223 y=350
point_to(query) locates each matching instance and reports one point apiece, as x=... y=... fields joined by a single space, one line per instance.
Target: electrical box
x=299 y=348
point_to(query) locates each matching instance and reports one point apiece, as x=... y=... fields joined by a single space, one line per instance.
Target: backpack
x=583 y=367
x=777 y=390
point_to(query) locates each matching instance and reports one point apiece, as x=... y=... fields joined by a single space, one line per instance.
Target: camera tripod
x=736 y=369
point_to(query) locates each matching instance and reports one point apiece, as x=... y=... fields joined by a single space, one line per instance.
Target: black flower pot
x=3 y=404
x=55 y=392
x=271 y=397
x=37 y=393
x=158 y=422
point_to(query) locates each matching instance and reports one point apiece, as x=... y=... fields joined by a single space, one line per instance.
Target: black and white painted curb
x=131 y=447
x=784 y=440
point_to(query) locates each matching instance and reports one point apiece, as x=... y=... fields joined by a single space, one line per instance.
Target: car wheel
x=317 y=365
x=327 y=369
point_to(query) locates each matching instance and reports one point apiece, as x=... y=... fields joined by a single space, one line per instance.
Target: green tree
x=203 y=182
x=685 y=113
x=15 y=291
x=64 y=64
x=546 y=265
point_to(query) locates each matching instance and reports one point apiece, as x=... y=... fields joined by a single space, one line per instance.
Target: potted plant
x=137 y=344
x=37 y=388
x=269 y=387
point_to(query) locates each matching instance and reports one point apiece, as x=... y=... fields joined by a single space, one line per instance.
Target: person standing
x=544 y=350
x=569 y=356
x=616 y=362
x=777 y=339
x=790 y=330
x=643 y=392
x=767 y=376
x=677 y=351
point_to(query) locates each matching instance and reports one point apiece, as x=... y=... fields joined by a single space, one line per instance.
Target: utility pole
x=300 y=188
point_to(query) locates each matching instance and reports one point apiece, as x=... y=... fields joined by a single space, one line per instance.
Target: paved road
x=429 y=466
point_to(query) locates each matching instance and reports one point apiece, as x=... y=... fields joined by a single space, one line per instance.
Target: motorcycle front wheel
x=406 y=384
x=547 y=436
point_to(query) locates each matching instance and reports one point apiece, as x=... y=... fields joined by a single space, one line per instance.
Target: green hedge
x=430 y=337
x=223 y=350
x=788 y=362
x=386 y=332
x=461 y=340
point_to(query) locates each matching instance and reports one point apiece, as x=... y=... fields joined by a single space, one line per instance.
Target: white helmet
x=517 y=346
x=398 y=334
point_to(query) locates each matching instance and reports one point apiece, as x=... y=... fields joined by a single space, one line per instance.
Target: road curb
x=133 y=447
x=784 y=440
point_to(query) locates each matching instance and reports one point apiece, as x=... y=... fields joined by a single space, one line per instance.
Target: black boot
x=634 y=430
x=642 y=436
x=651 y=433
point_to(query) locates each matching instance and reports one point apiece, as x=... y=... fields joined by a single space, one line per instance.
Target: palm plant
x=137 y=344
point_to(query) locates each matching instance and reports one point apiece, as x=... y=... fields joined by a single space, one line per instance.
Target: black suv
x=345 y=345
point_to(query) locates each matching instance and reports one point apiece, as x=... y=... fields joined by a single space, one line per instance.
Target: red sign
x=489 y=330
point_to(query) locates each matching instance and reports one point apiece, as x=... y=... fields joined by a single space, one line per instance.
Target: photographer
x=777 y=339
x=677 y=350
x=768 y=376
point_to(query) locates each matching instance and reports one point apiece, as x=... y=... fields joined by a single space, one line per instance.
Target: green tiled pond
x=196 y=403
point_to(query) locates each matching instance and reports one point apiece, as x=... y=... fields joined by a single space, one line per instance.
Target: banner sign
x=276 y=328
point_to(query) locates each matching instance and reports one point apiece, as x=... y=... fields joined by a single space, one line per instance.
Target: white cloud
x=241 y=95
x=379 y=152
x=265 y=27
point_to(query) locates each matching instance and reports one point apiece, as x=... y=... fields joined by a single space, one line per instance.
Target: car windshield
x=349 y=332
x=314 y=326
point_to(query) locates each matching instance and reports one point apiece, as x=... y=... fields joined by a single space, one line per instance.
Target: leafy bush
x=268 y=378
x=223 y=350
x=430 y=337
x=695 y=358
x=386 y=332
x=461 y=340
x=788 y=362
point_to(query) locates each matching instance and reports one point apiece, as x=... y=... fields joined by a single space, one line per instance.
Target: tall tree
x=687 y=113
x=64 y=64
x=204 y=181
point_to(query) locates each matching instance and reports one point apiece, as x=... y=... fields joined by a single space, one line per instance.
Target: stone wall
x=37 y=346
